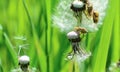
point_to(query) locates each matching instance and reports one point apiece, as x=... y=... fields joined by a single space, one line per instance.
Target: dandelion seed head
x=63 y=17
x=24 y=59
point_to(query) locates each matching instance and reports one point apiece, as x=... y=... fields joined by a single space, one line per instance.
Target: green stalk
x=10 y=49
x=73 y=67
x=46 y=48
x=100 y=58
x=41 y=55
x=29 y=18
x=1 y=68
x=48 y=42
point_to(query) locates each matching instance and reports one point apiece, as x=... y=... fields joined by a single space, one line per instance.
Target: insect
x=84 y=6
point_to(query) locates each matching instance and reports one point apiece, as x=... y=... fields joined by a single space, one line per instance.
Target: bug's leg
x=88 y=11
x=86 y=14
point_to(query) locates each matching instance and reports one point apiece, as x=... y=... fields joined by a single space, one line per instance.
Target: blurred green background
x=28 y=22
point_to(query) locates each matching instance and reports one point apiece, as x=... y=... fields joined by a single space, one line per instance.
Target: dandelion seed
x=20 y=38
x=86 y=16
x=77 y=51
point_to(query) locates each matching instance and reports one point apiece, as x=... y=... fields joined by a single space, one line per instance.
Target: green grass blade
x=10 y=47
x=100 y=58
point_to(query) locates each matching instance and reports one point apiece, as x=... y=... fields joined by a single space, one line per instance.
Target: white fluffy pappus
x=64 y=19
x=100 y=6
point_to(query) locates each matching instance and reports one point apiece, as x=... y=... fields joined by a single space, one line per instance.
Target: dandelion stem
x=46 y=50
x=46 y=39
x=1 y=68
x=73 y=67
x=46 y=44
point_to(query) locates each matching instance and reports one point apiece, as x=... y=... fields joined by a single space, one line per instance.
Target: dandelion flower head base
x=77 y=51
x=24 y=63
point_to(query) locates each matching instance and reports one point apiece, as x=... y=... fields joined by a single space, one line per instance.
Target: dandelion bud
x=24 y=62
x=77 y=5
x=73 y=36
